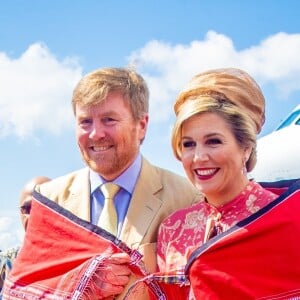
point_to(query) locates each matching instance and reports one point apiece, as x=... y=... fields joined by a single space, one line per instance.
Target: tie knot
x=109 y=190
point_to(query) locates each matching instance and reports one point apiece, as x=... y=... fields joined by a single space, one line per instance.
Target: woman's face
x=212 y=158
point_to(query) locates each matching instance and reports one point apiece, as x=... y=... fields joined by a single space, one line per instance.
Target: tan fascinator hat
x=234 y=85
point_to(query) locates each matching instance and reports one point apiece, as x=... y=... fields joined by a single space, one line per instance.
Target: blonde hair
x=242 y=126
x=95 y=86
x=233 y=84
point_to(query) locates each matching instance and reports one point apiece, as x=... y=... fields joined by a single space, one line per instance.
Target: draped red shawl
x=258 y=258
x=61 y=254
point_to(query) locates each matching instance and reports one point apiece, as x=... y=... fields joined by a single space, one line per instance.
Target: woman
x=239 y=241
x=218 y=117
x=214 y=136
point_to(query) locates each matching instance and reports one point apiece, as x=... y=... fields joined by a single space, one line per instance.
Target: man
x=25 y=198
x=111 y=111
x=7 y=257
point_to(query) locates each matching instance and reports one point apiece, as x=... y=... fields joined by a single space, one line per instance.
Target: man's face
x=25 y=207
x=107 y=135
x=26 y=198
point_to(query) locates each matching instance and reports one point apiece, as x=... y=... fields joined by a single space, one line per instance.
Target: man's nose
x=97 y=130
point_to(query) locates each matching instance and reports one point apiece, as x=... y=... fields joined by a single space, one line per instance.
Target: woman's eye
x=188 y=144
x=214 y=141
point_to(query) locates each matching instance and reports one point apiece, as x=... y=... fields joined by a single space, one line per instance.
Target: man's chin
x=106 y=171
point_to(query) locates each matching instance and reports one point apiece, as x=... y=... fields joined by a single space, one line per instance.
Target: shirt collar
x=235 y=203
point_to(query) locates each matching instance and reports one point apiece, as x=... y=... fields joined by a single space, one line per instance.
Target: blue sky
x=46 y=46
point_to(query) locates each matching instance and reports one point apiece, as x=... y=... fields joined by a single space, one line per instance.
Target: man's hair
x=94 y=87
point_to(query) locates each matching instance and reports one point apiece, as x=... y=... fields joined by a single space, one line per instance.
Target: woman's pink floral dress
x=187 y=228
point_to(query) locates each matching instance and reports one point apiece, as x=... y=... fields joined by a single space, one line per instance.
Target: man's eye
x=108 y=120
x=188 y=144
x=25 y=208
x=85 y=122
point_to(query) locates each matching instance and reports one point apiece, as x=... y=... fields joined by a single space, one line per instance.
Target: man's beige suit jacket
x=157 y=194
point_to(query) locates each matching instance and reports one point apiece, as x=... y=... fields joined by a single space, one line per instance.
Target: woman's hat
x=236 y=85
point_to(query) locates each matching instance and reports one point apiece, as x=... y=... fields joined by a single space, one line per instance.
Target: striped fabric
x=259 y=258
x=61 y=254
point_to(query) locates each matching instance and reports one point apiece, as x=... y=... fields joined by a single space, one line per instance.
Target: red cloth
x=192 y=226
x=259 y=258
x=172 y=286
x=60 y=255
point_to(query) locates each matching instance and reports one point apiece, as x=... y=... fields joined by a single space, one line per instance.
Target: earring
x=244 y=168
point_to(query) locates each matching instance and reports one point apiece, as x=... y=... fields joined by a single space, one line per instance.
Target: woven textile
x=61 y=255
x=256 y=259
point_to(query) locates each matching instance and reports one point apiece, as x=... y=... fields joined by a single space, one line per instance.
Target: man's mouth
x=100 y=148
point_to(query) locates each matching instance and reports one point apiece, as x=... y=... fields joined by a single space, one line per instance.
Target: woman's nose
x=200 y=154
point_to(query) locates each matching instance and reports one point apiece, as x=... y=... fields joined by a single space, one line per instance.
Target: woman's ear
x=247 y=154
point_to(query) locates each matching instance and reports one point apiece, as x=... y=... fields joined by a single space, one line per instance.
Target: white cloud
x=36 y=88
x=11 y=231
x=5 y=223
x=36 y=91
x=168 y=67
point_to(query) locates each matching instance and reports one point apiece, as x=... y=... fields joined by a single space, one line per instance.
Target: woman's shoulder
x=181 y=214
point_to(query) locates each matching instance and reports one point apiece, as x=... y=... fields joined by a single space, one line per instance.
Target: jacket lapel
x=143 y=207
x=78 y=201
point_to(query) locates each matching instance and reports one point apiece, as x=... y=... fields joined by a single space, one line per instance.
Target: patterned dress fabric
x=254 y=254
x=258 y=258
x=185 y=229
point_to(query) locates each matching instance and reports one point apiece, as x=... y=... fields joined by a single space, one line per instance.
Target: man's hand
x=112 y=276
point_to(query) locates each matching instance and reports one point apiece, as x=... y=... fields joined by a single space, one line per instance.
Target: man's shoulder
x=168 y=175
x=148 y=166
x=71 y=176
x=171 y=180
x=63 y=182
x=173 y=176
